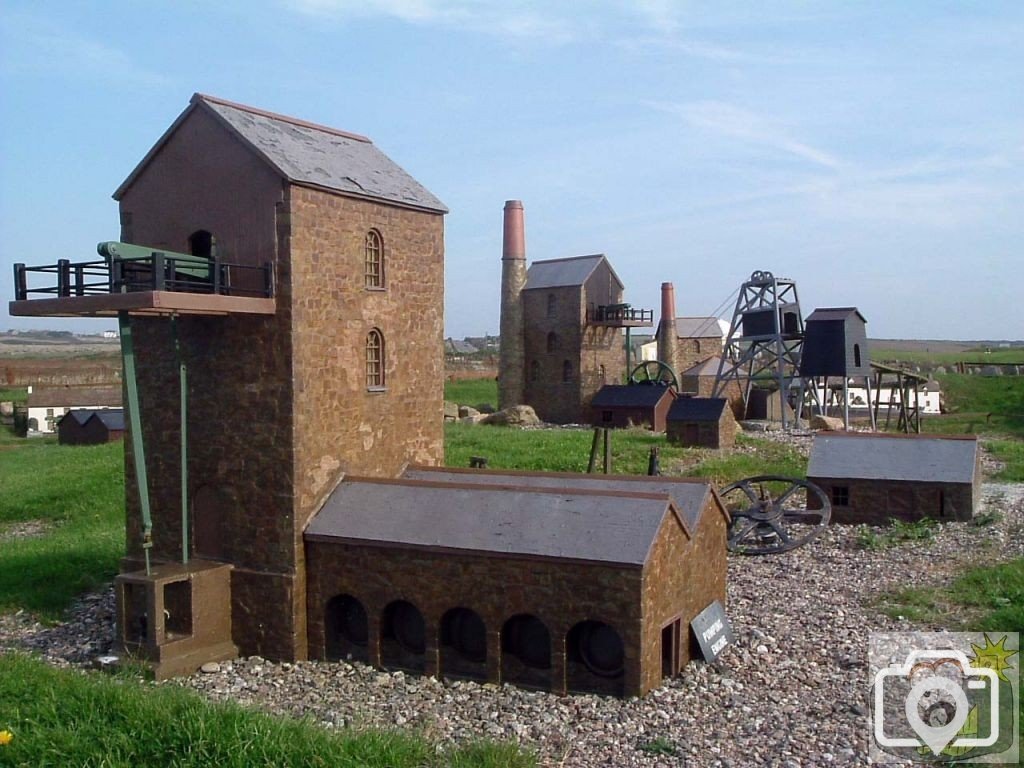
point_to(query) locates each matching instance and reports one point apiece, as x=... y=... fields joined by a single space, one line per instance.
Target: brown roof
x=74 y=397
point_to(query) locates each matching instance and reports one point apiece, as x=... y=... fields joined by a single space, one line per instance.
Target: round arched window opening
x=202 y=243
x=528 y=639
x=465 y=631
x=599 y=647
x=404 y=622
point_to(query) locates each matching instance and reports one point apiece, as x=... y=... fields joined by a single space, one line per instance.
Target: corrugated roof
x=69 y=397
x=689 y=494
x=887 y=457
x=697 y=409
x=570 y=524
x=626 y=396
x=835 y=313
x=306 y=153
x=701 y=328
x=560 y=273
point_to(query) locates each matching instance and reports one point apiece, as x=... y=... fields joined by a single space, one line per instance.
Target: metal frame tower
x=765 y=338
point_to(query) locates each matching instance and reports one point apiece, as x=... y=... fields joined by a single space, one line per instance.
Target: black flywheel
x=772 y=514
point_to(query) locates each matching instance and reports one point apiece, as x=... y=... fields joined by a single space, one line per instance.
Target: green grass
x=1010 y=452
x=980 y=405
x=77 y=493
x=472 y=392
x=897 y=533
x=928 y=357
x=15 y=395
x=60 y=717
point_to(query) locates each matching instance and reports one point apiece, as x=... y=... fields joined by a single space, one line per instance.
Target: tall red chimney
x=511 y=366
x=667 y=339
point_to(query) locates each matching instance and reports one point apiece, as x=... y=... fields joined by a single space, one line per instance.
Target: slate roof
x=68 y=397
x=697 y=409
x=914 y=458
x=626 y=396
x=561 y=273
x=112 y=418
x=306 y=153
x=81 y=415
x=457 y=347
x=565 y=524
x=708 y=368
x=834 y=313
x=690 y=495
x=701 y=328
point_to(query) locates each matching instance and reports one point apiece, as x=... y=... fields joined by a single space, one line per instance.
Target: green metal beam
x=135 y=425
x=183 y=411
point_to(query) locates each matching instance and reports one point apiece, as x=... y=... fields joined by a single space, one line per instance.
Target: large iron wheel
x=654 y=372
x=772 y=514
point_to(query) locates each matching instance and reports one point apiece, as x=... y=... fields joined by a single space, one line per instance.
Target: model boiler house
x=279 y=290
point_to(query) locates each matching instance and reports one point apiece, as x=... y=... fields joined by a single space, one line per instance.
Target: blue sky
x=874 y=152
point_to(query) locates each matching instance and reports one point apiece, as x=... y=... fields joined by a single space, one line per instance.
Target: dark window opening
x=374 y=260
x=566 y=372
x=202 y=243
x=596 y=659
x=841 y=496
x=552 y=343
x=346 y=627
x=606 y=416
x=375 y=359
x=856 y=355
x=551 y=305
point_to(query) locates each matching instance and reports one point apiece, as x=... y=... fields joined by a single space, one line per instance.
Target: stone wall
x=876 y=501
x=682 y=577
x=704 y=386
x=554 y=399
x=559 y=593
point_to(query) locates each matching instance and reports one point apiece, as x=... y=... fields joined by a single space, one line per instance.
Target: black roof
x=916 y=458
x=629 y=396
x=697 y=409
x=834 y=313
x=689 y=494
x=589 y=525
x=113 y=418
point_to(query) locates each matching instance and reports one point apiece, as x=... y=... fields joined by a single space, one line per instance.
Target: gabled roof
x=701 y=328
x=306 y=153
x=561 y=273
x=915 y=458
x=689 y=494
x=834 y=313
x=708 y=368
x=81 y=415
x=626 y=396
x=69 y=397
x=457 y=347
x=112 y=418
x=612 y=528
x=697 y=409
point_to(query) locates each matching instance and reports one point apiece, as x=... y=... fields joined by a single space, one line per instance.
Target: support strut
x=135 y=425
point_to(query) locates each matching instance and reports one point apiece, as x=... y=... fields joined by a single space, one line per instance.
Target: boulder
x=485 y=408
x=476 y=418
x=514 y=416
x=826 y=422
x=451 y=410
x=465 y=410
x=6 y=408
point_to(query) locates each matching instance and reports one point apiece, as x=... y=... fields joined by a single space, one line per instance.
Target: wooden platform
x=143 y=303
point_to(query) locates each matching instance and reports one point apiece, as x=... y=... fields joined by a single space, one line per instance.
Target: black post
x=158 y=271
x=20 y=285
x=63 y=277
x=654 y=462
x=216 y=266
x=607 y=451
x=593 y=450
x=79 y=280
x=268 y=279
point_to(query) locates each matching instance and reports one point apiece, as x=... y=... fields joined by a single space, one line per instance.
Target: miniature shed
x=620 y=406
x=705 y=422
x=835 y=343
x=561 y=582
x=872 y=477
x=699 y=380
x=91 y=427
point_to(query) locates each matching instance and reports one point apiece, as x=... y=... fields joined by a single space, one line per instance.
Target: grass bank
x=62 y=718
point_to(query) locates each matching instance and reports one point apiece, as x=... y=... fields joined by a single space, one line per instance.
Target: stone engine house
x=280 y=294
x=562 y=326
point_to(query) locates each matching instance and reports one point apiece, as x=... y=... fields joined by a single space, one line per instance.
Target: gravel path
x=792 y=691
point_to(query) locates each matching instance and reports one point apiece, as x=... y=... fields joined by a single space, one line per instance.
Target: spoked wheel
x=771 y=514
x=654 y=372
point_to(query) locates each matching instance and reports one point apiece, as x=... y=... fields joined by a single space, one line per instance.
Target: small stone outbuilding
x=702 y=422
x=621 y=406
x=872 y=478
x=699 y=381
x=558 y=582
x=91 y=427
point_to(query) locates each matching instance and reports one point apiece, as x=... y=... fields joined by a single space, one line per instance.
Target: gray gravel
x=792 y=691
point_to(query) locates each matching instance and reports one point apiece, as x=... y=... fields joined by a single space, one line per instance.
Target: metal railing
x=620 y=313
x=157 y=272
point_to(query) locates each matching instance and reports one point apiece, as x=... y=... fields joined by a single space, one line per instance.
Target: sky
x=871 y=151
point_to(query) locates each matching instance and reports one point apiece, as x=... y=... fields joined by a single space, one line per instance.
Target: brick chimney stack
x=511 y=367
x=667 y=339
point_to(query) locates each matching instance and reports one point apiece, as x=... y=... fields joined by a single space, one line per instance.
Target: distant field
x=943 y=353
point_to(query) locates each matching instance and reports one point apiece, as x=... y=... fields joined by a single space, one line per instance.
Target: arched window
x=603 y=374
x=403 y=636
x=595 y=657
x=375 y=359
x=856 y=355
x=346 y=629
x=696 y=345
x=202 y=243
x=566 y=372
x=463 y=644
x=526 y=652
x=552 y=341
x=551 y=305
x=374 y=259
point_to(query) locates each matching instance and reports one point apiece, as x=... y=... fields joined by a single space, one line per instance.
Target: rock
x=466 y=411
x=6 y=408
x=476 y=418
x=940 y=370
x=210 y=668
x=826 y=422
x=514 y=416
x=451 y=410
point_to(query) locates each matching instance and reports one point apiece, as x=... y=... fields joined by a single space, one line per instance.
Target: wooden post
x=607 y=452
x=593 y=451
x=846 y=403
x=63 y=277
